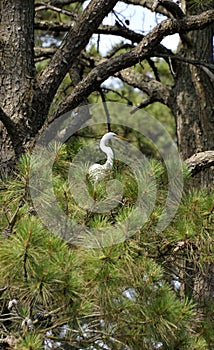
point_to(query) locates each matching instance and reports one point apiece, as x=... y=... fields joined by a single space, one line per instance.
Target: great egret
x=97 y=171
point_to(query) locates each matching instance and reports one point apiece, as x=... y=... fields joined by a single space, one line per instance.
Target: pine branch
x=174 y=11
x=44 y=52
x=65 y=2
x=124 y=32
x=131 y=35
x=200 y=161
x=194 y=62
x=75 y=40
x=143 y=104
x=155 y=6
x=154 y=68
x=122 y=96
x=52 y=26
x=117 y=48
x=11 y=222
x=45 y=6
x=143 y=50
x=208 y=68
x=155 y=89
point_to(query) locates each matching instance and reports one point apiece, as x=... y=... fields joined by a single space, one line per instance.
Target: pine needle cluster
x=149 y=291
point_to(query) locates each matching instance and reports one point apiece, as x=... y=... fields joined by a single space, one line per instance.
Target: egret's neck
x=109 y=153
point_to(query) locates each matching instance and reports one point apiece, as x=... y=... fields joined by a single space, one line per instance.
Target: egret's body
x=97 y=171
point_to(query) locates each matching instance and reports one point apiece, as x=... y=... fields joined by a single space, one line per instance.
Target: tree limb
x=153 y=88
x=105 y=107
x=131 y=35
x=52 y=26
x=150 y=5
x=145 y=103
x=172 y=8
x=200 y=161
x=111 y=66
x=154 y=68
x=45 y=6
x=117 y=48
x=65 y=2
x=44 y=52
x=124 y=32
x=116 y=92
x=75 y=40
x=189 y=60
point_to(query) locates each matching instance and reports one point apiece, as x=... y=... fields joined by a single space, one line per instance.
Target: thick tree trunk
x=24 y=106
x=16 y=78
x=194 y=111
x=194 y=91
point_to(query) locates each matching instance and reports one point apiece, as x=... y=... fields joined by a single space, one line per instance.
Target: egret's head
x=109 y=136
x=112 y=135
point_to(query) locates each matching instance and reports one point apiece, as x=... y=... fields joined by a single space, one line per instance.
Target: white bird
x=12 y=303
x=97 y=171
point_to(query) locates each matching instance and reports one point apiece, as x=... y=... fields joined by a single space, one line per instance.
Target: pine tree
x=130 y=295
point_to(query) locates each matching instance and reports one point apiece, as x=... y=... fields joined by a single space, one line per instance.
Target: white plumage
x=97 y=171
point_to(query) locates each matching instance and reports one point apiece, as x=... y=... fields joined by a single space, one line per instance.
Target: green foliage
x=122 y=296
x=201 y=5
x=30 y=341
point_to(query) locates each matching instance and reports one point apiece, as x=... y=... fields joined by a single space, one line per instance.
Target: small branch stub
x=200 y=161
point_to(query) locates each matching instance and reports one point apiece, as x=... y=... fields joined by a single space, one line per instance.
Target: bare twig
x=143 y=104
x=46 y=6
x=108 y=120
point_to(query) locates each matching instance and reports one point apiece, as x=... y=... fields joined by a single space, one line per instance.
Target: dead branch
x=200 y=161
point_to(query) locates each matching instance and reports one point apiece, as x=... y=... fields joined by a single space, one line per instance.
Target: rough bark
x=17 y=72
x=204 y=284
x=200 y=161
x=194 y=90
x=154 y=89
x=194 y=97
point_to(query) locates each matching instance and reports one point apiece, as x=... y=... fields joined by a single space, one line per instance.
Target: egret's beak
x=122 y=138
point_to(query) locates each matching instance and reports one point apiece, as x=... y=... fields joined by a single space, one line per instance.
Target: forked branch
x=113 y=65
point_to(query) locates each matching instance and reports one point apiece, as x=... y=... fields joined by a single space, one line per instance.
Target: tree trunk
x=194 y=113
x=16 y=78
x=194 y=91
